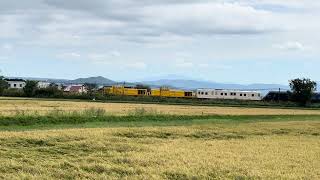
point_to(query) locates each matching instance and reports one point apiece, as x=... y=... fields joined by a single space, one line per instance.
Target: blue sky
x=239 y=41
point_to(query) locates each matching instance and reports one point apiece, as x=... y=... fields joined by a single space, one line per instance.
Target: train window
x=221 y=94
x=226 y=94
x=234 y=94
x=258 y=95
x=240 y=94
x=188 y=94
x=252 y=95
x=198 y=92
x=206 y=93
x=202 y=93
x=245 y=94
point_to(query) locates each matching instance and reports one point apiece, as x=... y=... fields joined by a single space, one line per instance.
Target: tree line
x=302 y=90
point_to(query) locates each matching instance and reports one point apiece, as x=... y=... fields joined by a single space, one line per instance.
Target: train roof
x=235 y=90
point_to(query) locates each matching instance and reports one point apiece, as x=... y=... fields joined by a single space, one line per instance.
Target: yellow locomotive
x=136 y=91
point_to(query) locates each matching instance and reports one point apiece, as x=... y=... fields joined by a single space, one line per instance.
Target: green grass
x=94 y=118
x=179 y=101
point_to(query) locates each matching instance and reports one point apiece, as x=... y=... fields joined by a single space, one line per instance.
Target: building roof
x=15 y=80
x=228 y=90
x=76 y=88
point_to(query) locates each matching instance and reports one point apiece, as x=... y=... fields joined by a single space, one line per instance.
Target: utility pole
x=279 y=95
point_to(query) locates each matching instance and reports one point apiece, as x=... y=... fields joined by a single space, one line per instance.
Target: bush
x=49 y=92
x=30 y=88
x=13 y=93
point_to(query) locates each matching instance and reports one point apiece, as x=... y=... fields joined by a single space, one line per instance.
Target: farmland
x=91 y=141
x=13 y=105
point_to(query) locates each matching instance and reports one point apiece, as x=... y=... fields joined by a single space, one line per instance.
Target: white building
x=16 y=83
x=228 y=94
x=43 y=84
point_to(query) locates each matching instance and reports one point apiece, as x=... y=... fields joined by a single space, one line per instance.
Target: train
x=135 y=91
x=228 y=94
x=173 y=93
x=225 y=94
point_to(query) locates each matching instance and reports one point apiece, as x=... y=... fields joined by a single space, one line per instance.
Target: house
x=77 y=89
x=43 y=84
x=16 y=83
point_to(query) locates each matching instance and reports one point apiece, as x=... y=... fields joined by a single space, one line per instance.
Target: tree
x=30 y=88
x=302 y=90
x=50 y=91
x=91 y=87
x=3 y=85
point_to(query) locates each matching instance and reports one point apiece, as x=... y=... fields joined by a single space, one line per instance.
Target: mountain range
x=174 y=83
x=93 y=80
x=194 y=84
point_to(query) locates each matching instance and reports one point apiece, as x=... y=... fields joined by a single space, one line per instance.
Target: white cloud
x=290 y=46
x=115 y=53
x=10 y=25
x=104 y=58
x=204 y=65
x=4 y=58
x=7 y=47
x=181 y=63
x=154 y=30
x=69 y=56
x=136 y=65
x=209 y=18
x=158 y=22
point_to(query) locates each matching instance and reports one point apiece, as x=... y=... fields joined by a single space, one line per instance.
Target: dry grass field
x=264 y=150
x=156 y=146
x=14 y=105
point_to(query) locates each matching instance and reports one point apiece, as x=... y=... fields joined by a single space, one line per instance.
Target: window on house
x=14 y=85
x=20 y=85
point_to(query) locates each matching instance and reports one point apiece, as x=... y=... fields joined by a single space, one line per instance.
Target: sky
x=238 y=41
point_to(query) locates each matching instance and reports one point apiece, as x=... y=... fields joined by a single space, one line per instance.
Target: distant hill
x=41 y=79
x=194 y=84
x=94 y=80
x=173 y=83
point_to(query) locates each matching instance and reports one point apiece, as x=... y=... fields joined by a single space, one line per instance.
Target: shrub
x=13 y=93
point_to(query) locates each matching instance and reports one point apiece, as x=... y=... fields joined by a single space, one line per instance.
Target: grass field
x=30 y=106
x=141 y=145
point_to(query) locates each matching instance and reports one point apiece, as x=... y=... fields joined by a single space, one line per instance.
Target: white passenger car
x=228 y=94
